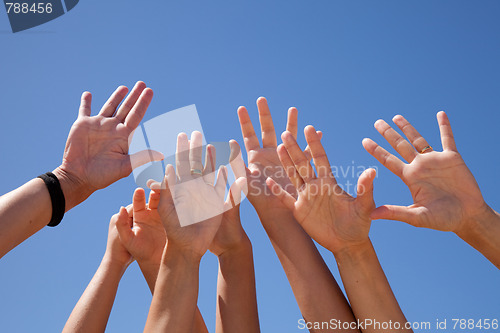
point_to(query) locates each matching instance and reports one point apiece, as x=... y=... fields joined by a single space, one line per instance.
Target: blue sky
x=343 y=64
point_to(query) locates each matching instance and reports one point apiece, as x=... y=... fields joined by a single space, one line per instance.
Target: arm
x=185 y=209
x=341 y=224
x=144 y=238
x=92 y=311
x=445 y=194
x=83 y=170
x=314 y=287
x=236 y=295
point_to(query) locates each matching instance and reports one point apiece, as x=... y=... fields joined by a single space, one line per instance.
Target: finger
x=318 y=153
x=168 y=183
x=236 y=160
x=86 y=101
x=289 y=167
x=130 y=101
x=135 y=115
x=140 y=158
x=209 y=170
x=123 y=226
x=447 y=138
x=411 y=133
x=109 y=108
x=300 y=161
x=292 y=121
x=307 y=151
x=195 y=154
x=139 y=200
x=281 y=194
x=266 y=124
x=249 y=138
x=396 y=213
x=220 y=186
x=365 y=189
x=153 y=185
x=234 y=195
x=403 y=147
x=182 y=157
x=154 y=200
x=391 y=162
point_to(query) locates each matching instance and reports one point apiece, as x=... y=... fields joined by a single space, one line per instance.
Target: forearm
x=28 y=209
x=150 y=272
x=367 y=287
x=92 y=311
x=483 y=234
x=236 y=295
x=176 y=291
x=317 y=293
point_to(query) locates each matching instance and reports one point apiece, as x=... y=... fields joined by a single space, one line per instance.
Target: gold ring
x=196 y=172
x=427 y=148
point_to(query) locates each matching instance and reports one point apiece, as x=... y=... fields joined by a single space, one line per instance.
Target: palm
x=445 y=203
x=445 y=193
x=150 y=236
x=332 y=219
x=97 y=151
x=264 y=163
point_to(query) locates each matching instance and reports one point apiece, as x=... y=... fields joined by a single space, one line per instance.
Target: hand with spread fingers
x=341 y=224
x=445 y=194
x=328 y=214
x=315 y=289
x=96 y=153
x=263 y=162
x=191 y=209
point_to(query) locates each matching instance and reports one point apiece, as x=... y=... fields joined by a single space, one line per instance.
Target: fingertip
x=140 y=85
x=86 y=95
x=261 y=100
x=286 y=135
x=182 y=136
x=397 y=118
x=148 y=92
x=378 y=123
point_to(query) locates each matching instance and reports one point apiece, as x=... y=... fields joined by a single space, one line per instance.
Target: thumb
x=286 y=198
x=365 y=189
x=144 y=156
x=396 y=213
x=123 y=226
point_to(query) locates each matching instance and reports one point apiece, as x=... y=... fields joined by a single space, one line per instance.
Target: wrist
x=173 y=252
x=241 y=249
x=479 y=223
x=114 y=263
x=356 y=252
x=73 y=189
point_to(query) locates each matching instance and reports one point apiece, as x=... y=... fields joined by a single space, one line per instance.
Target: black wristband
x=56 y=196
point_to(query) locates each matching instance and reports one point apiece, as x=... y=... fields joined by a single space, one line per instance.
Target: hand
x=191 y=207
x=263 y=162
x=231 y=235
x=115 y=251
x=445 y=193
x=328 y=214
x=96 y=153
x=142 y=233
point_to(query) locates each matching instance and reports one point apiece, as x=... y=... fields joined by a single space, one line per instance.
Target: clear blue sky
x=343 y=64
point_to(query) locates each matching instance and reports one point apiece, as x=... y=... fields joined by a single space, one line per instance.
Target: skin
x=92 y=311
x=96 y=155
x=176 y=291
x=315 y=289
x=341 y=224
x=446 y=196
x=236 y=295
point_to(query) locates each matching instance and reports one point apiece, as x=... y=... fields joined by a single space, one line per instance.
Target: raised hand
x=231 y=235
x=328 y=214
x=191 y=207
x=96 y=153
x=142 y=233
x=263 y=162
x=445 y=194
x=115 y=250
